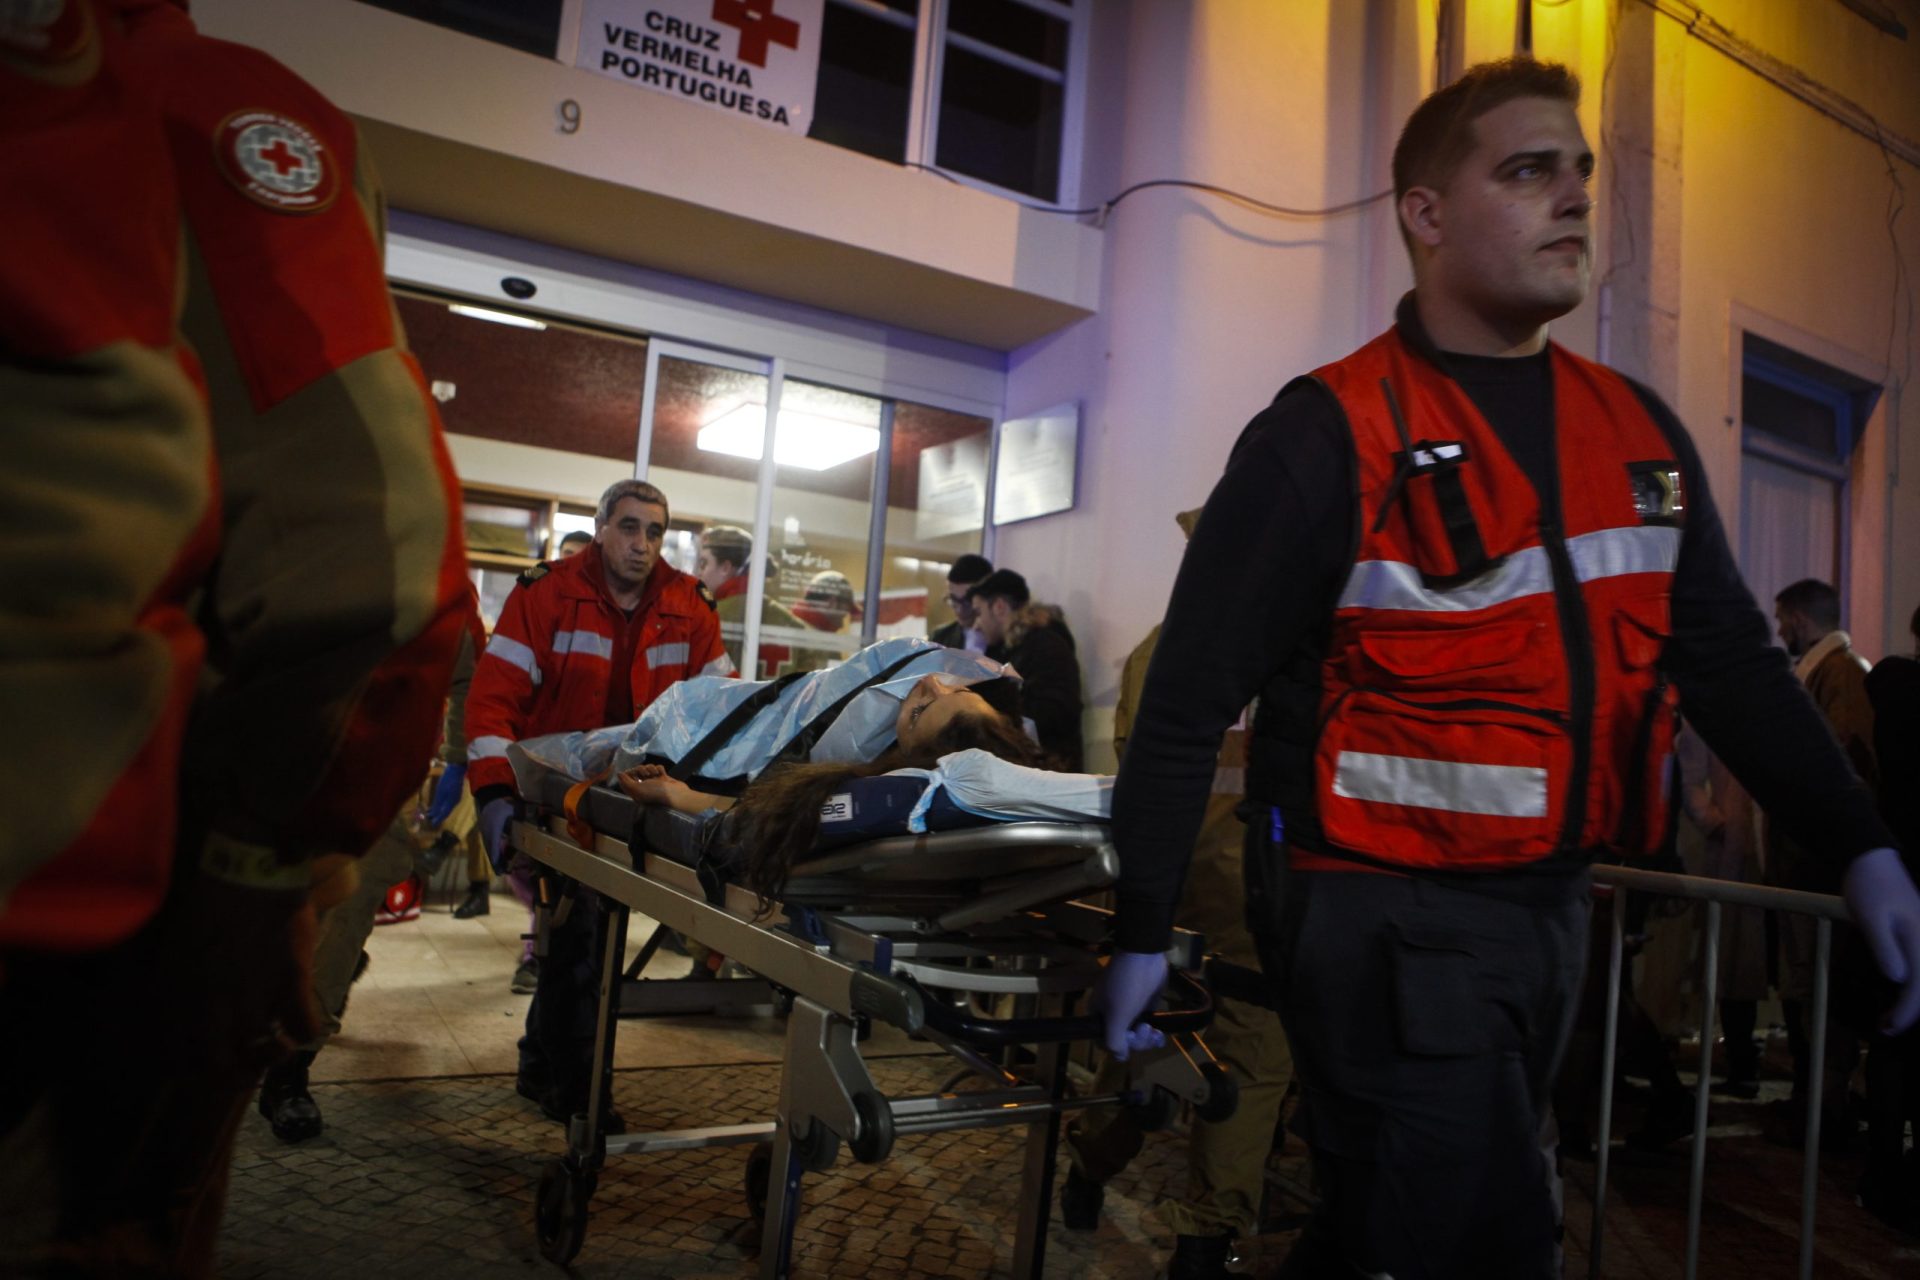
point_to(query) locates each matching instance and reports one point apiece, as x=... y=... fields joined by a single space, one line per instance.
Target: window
x=994 y=97
x=529 y=25
x=1799 y=422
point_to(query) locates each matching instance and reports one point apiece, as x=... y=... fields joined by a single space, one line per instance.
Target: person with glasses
x=968 y=572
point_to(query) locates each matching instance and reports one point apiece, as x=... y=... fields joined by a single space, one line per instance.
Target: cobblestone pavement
x=426 y=1178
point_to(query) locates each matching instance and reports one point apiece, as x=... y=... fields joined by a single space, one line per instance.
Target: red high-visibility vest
x=1492 y=694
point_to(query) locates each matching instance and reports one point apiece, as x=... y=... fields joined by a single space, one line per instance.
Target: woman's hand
x=649 y=784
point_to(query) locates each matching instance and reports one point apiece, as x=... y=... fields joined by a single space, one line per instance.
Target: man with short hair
x=968 y=572
x=1807 y=619
x=573 y=543
x=1034 y=640
x=1467 y=566
x=583 y=642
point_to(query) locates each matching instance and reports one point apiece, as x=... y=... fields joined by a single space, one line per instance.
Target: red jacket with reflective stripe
x=1491 y=693
x=109 y=501
x=549 y=664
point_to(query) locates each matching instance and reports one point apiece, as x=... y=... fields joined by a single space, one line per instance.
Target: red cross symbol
x=281 y=157
x=759 y=26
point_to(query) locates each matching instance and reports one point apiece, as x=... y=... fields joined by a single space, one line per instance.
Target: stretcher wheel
x=560 y=1211
x=1157 y=1112
x=1223 y=1094
x=817 y=1149
x=759 y=1171
x=873 y=1135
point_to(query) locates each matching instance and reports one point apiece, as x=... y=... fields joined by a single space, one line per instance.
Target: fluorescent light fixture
x=806 y=440
x=498 y=317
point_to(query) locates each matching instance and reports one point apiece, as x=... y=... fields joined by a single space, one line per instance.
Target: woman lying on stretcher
x=779 y=748
x=780 y=810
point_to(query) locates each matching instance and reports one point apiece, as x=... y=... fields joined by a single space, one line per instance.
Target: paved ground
x=434 y=1177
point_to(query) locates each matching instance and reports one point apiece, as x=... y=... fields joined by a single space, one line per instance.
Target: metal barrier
x=1825 y=908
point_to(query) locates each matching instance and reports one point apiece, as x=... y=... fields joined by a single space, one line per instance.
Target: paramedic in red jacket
x=1475 y=570
x=582 y=642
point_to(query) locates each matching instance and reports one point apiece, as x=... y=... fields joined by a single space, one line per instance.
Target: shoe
x=290 y=1110
x=478 y=902
x=430 y=859
x=526 y=977
x=1741 y=1082
x=1200 y=1258
x=1080 y=1199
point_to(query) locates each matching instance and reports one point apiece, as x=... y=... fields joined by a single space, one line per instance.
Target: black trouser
x=1426 y=1025
x=557 y=1050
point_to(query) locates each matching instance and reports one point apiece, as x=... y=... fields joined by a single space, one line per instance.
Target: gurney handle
x=1194 y=1014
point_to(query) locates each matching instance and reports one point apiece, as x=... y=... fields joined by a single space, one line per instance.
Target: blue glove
x=1127 y=991
x=493 y=831
x=446 y=793
x=1886 y=906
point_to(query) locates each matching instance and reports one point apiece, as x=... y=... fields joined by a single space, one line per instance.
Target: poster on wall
x=1038 y=456
x=953 y=488
x=757 y=59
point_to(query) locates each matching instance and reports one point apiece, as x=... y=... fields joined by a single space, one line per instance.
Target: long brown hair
x=779 y=816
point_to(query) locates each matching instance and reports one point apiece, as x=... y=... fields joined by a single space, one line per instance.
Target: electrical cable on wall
x=1100 y=211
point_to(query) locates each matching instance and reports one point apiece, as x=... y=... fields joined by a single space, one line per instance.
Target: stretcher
x=912 y=931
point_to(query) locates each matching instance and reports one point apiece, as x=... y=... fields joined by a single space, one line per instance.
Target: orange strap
x=577 y=826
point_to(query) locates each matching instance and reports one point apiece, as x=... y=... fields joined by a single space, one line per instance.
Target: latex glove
x=493 y=831
x=446 y=793
x=1884 y=903
x=1127 y=991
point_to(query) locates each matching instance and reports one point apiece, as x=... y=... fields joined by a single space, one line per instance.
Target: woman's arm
x=649 y=784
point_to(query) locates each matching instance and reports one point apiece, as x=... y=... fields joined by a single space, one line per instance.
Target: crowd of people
x=1475 y=575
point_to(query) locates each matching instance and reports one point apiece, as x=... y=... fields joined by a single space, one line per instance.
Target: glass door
x=703 y=442
x=821 y=518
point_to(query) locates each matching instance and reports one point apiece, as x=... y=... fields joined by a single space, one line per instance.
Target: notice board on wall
x=758 y=59
x=1038 y=462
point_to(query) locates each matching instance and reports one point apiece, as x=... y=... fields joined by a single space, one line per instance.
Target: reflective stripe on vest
x=1500 y=790
x=1604 y=553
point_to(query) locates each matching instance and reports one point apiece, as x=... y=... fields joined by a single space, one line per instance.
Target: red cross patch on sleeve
x=276 y=161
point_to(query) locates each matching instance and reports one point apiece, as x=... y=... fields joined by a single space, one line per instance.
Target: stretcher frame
x=843 y=969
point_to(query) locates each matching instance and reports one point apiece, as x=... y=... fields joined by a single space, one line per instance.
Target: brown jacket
x=1836 y=679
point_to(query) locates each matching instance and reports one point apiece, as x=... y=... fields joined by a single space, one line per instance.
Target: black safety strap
x=1463 y=532
x=690 y=764
x=801 y=744
x=1449 y=490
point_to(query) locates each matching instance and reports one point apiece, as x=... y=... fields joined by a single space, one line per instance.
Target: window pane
x=999 y=125
x=502 y=527
x=1013 y=27
x=865 y=87
x=825 y=446
x=1789 y=416
x=531 y=25
x=936 y=504
x=559 y=388
x=699 y=459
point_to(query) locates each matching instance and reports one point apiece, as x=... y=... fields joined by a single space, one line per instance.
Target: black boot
x=285 y=1102
x=1200 y=1258
x=478 y=901
x=1080 y=1199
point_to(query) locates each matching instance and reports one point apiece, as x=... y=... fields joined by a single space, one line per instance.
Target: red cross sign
x=759 y=27
x=281 y=157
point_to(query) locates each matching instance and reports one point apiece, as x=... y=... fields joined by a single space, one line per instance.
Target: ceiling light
x=498 y=317
x=806 y=440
